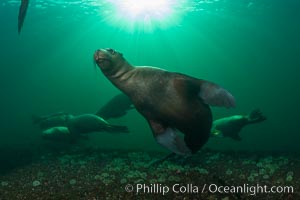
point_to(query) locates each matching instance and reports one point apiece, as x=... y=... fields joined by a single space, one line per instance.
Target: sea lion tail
x=117 y=129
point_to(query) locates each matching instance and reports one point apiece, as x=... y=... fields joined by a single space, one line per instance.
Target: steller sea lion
x=231 y=126
x=169 y=101
x=62 y=126
x=22 y=14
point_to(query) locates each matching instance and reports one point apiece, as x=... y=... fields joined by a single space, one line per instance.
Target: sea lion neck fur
x=120 y=74
x=115 y=67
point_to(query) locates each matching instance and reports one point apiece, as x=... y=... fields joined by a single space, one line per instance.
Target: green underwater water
x=251 y=48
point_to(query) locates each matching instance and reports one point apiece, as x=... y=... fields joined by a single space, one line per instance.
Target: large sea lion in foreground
x=167 y=100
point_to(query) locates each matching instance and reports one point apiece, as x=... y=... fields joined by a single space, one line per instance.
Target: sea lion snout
x=96 y=55
x=99 y=56
x=108 y=53
x=108 y=60
x=102 y=58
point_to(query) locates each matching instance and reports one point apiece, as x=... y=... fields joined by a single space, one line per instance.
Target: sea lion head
x=109 y=61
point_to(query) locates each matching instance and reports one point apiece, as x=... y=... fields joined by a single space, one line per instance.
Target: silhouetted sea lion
x=22 y=14
x=167 y=100
x=116 y=107
x=62 y=126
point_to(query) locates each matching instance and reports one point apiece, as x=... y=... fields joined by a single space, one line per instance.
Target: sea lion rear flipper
x=173 y=142
x=256 y=116
x=210 y=93
x=168 y=138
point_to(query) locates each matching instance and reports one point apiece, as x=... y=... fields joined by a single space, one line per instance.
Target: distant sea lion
x=22 y=14
x=116 y=107
x=167 y=100
x=231 y=126
x=62 y=126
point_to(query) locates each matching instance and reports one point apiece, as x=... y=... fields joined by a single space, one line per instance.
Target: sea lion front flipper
x=168 y=138
x=116 y=107
x=210 y=93
x=215 y=95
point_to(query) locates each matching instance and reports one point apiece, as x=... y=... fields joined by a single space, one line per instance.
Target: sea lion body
x=22 y=14
x=87 y=123
x=64 y=126
x=167 y=100
x=165 y=104
x=231 y=126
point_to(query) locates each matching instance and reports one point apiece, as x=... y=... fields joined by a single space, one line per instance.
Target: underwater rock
x=152 y=181
x=250 y=178
x=136 y=174
x=104 y=175
x=242 y=176
x=279 y=181
x=72 y=182
x=36 y=183
x=40 y=174
x=259 y=164
x=174 y=179
x=175 y=167
x=139 y=181
x=123 y=181
x=228 y=172
x=107 y=181
x=98 y=181
x=161 y=179
x=255 y=174
x=262 y=171
x=289 y=178
x=290 y=173
x=266 y=176
x=202 y=171
x=82 y=162
x=4 y=183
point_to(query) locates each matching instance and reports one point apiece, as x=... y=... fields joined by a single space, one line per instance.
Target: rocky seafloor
x=90 y=174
